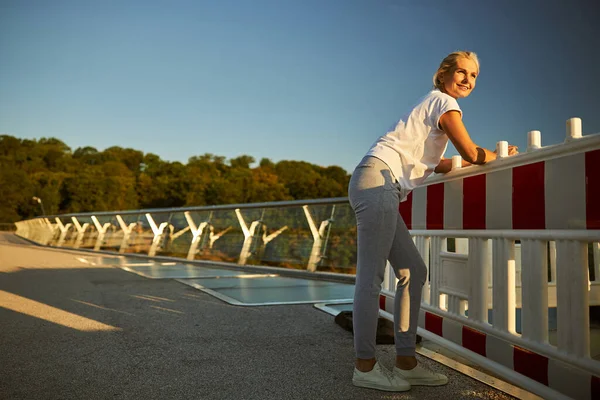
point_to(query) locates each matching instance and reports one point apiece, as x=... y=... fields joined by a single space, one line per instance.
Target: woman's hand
x=512 y=150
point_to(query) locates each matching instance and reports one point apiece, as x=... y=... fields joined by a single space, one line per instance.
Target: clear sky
x=310 y=80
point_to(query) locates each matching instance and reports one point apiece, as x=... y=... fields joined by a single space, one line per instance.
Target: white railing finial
x=534 y=140
x=456 y=162
x=573 y=129
x=502 y=149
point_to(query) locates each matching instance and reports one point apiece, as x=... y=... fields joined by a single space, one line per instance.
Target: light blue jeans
x=382 y=236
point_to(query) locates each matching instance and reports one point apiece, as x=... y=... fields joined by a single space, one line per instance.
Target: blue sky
x=311 y=80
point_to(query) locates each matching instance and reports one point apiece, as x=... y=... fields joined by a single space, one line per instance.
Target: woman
x=398 y=162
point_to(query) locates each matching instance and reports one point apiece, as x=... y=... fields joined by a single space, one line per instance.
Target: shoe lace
x=387 y=373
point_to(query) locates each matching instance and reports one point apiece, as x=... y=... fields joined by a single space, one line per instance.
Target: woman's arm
x=445 y=165
x=452 y=125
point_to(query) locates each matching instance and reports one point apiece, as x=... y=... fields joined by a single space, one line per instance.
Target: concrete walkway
x=70 y=330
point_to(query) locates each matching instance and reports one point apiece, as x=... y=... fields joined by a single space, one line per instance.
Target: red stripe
x=531 y=365
x=474 y=340
x=592 y=189
x=405 y=209
x=474 y=202
x=528 y=200
x=595 y=387
x=382 y=302
x=434 y=323
x=435 y=206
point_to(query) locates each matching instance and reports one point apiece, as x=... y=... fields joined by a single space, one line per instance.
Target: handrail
x=221 y=207
x=574 y=146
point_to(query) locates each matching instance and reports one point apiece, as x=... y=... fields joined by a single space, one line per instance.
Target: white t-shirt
x=415 y=146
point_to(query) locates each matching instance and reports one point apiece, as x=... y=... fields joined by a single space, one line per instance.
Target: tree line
x=119 y=178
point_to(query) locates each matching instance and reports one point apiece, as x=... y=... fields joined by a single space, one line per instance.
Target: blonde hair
x=450 y=62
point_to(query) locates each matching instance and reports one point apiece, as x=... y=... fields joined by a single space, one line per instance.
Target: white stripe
x=565 y=192
x=573 y=382
x=500 y=351
x=452 y=330
x=453 y=204
x=419 y=208
x=498 y=200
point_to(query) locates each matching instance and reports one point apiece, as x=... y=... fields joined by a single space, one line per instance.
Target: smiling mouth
x=462 y=87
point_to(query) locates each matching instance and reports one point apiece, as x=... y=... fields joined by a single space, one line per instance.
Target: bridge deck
x=71 y=329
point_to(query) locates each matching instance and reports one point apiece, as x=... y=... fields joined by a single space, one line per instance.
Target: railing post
x=101 y=232
x=80 y=228
x=504 y=293
x=456 y=305
x=461 y=245
x=423 y=244
x=534 y=290
x=248 y=236
x=196 y=234
x=127 y=229
x=478 y=265
x=157 y=231
x=63 y=231
x=317 y=234
x=52 y=227
x=80 y=231
x=573 y=297
x=438 y=245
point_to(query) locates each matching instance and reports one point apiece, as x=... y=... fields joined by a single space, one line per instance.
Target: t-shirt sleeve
x=441 y=104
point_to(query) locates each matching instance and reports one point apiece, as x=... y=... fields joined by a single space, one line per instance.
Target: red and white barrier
x=546 y=198
x=557 y=187
x=558 y=376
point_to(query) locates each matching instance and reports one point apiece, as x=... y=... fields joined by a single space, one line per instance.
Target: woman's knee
x=418 y=273
x=421 y=272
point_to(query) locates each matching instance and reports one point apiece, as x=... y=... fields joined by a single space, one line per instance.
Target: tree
x=241 y=162
x=124 y=178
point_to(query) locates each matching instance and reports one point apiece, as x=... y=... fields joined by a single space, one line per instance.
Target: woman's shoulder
x=437 y=94
x=437 y=99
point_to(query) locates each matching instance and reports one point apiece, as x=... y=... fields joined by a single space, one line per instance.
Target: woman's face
x=460 y=80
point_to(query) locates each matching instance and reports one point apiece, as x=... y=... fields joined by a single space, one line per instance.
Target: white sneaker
x=381 y=379
x=419 y=376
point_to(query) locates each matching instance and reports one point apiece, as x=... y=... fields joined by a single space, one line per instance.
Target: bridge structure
x=512 y=249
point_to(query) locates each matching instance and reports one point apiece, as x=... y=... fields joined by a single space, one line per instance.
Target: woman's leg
x=412 y=274
x=374 y=198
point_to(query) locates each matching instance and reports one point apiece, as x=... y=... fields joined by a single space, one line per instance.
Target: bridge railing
x=315 y=235
x=512 y=249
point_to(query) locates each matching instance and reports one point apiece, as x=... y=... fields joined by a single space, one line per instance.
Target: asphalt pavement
x=73 y=330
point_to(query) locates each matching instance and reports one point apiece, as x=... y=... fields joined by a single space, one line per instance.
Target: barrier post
x=503 y=292
x=534 y=290
x=479 y=268
x=572 y=297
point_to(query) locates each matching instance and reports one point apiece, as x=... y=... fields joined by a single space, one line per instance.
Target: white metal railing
x=460 y=286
